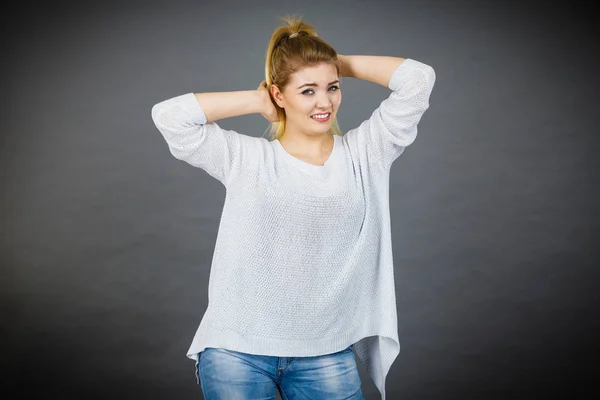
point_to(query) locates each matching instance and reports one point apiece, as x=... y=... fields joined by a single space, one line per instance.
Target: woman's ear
x=277 y=96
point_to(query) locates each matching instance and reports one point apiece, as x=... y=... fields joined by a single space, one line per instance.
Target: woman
x=302 y=272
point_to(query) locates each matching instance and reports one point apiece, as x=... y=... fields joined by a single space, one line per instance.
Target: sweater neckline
x=306 y=165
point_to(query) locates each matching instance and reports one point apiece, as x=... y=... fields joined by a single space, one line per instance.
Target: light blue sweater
x=303 y=263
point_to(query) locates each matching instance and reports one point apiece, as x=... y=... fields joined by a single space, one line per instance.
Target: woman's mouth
x=321 y=117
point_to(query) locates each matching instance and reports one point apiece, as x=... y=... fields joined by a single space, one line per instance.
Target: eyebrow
x=314 y=84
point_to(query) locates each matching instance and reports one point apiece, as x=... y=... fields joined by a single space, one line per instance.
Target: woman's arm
x=219 y=105
x=393 y=125
x=187 y=124
x=376 y=69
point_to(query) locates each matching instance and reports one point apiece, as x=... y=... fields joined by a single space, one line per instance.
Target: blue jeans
x=230 y=375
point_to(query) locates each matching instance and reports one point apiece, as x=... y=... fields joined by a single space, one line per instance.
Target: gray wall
x=106 y=239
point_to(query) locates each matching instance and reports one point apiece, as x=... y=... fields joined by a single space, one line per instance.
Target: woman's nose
x=323 y=101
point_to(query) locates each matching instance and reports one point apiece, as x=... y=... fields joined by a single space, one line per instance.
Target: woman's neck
x=308 y=146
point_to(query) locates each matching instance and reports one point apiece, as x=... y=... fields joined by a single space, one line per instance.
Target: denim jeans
x=230 y=375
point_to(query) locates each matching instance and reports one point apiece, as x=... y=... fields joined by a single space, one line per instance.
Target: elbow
x=154 y=113
x=429 y=76
x=160 y=117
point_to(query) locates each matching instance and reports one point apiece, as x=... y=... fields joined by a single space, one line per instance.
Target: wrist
x=345 y=67
x=260 y=102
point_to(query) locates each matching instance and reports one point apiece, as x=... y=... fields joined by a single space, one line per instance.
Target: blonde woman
x=302 y=276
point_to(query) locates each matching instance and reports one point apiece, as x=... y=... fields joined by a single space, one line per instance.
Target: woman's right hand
x=269 y=110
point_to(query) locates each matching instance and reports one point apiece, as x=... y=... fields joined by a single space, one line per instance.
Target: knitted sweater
x=302 y=264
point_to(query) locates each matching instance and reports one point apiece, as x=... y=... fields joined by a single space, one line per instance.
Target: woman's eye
x=310 y=90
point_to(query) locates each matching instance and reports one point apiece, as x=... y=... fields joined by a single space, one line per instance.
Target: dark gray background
x=107 y=239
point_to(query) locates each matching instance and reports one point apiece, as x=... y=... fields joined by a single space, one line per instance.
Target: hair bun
x=293 y=35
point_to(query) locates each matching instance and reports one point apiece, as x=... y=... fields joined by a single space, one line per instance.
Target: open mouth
x=321 y=117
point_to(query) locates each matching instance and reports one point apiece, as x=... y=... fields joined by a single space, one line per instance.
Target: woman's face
x=310 y=91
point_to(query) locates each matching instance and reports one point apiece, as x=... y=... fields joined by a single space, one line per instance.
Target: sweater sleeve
x=183 y=124
x=393 y=125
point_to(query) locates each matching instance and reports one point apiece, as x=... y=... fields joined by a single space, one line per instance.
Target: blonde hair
x=287 y=55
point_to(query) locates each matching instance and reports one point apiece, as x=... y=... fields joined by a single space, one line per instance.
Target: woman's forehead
x=321 y=74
